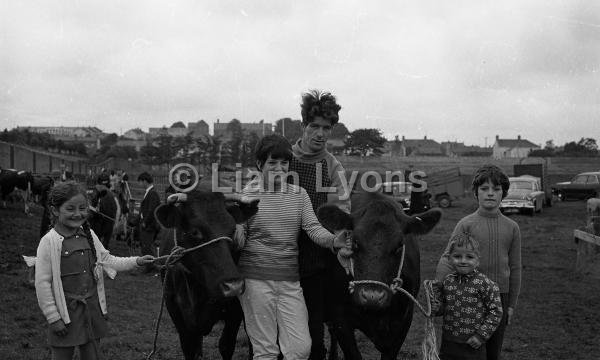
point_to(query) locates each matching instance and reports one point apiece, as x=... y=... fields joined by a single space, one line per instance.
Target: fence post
x=588 y=246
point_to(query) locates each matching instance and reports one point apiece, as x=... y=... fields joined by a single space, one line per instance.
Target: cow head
x=380 y=231
x=198 y=217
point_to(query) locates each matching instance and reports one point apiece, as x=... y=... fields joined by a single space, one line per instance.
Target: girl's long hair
x=61 y=193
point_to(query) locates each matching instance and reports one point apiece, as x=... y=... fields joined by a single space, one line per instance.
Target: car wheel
x=444 y=201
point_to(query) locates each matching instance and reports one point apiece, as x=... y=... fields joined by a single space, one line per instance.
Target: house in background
x=459 y=149
x=419 y=147
x=198 y=129
x=135 y=134
x=512 y=148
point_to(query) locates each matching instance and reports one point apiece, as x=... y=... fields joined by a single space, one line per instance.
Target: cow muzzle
x=372 y=296
x=232 y=288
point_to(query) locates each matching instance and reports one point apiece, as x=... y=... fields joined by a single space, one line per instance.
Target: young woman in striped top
x=273 y=303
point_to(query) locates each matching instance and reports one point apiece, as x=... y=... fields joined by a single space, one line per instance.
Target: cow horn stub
x=177 y=198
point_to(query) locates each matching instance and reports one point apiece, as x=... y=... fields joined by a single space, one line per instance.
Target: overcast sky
x=448 y=70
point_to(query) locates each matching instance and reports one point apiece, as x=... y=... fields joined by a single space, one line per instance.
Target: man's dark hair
x=275 y=145
x=493 y=174
x=145 y=177
x=319 y=103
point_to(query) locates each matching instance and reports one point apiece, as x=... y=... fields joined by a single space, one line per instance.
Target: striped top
x=270 y=251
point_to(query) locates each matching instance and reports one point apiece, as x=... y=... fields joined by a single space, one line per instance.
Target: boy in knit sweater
x=469 y=301
x=274 y=309
x=499 y=241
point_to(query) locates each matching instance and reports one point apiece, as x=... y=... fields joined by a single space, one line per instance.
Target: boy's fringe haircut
x=463 y=240
x=493 y=174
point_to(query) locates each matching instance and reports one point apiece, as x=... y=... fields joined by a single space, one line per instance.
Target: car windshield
x=520 y=185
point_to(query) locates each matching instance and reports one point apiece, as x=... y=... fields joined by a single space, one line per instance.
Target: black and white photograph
x=300 y=180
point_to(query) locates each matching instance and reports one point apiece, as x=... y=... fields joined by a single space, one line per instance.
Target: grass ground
x=558 y=316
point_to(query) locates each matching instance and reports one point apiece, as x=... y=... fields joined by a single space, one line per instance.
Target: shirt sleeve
x=316 y=232
x=514 y=263
x=493 y=316
x=43 y=282
x=111 y=262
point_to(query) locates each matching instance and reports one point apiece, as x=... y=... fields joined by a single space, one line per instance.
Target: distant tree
x=365 y=141
x=109 y=139
x=247 y=156
x=292 y=128
x=178 y=124
x=584 y=147
x=150 y=154
x=340 y=131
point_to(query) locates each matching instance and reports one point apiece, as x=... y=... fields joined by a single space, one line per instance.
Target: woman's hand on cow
x=58 y=327
x=342 y=240
x=144 y=260
x=509 y=314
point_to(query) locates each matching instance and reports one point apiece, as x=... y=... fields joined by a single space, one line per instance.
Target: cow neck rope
x=429 y=345
x=175 y=255
x=394 y=286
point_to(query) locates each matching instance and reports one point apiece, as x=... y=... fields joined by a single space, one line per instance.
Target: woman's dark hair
x=61 y=193
x=145 y=177
x=275 y=145
x=319 y=103
x=493 y=174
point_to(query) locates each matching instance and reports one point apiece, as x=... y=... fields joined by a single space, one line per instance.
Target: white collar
x=148 y=190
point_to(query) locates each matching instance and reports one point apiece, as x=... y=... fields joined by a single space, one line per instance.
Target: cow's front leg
x=233 y=319
x=347 y=342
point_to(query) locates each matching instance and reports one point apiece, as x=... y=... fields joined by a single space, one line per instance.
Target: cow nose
x=232 y=288
x=373 y=297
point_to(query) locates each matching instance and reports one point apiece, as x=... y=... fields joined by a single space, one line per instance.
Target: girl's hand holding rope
x=144 y=260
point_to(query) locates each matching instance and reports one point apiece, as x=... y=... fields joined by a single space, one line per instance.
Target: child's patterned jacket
x=470 y=305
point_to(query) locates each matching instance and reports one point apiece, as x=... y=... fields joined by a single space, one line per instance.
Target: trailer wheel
x=444 y=201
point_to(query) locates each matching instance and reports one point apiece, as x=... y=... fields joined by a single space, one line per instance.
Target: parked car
x=583 y=186
x=399 y=190
x=524 y=195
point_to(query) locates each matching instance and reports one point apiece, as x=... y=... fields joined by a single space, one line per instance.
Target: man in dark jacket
x=148 y=226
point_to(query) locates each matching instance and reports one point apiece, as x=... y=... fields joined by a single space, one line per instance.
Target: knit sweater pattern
x=500 y=251
x=471 y=306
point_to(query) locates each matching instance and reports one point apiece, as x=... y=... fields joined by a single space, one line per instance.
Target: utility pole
x=485 y=141
x=283 y=127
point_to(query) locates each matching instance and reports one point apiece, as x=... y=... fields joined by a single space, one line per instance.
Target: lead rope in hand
x=429 y=347
x=175 y=255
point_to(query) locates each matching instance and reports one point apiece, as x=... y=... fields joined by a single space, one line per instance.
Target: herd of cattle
x=201 y=288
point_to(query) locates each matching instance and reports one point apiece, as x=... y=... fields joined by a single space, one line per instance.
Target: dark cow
x=11 y=179
x=380 y=230
x=106 y=211
x=204 y=284
x=40 y=189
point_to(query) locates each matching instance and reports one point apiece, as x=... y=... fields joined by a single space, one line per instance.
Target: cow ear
x=242 y=210
x=423 y=223
x=168 y=216
x=333 y=218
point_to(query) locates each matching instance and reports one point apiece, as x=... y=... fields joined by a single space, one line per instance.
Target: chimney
x=518 y=137
x=403 y=138
x=425 y=138
x=497 y=137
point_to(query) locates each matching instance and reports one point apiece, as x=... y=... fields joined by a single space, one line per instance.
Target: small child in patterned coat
x=468 y=300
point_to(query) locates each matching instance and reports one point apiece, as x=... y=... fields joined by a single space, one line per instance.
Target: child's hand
x=58 y=327
x=341 y=240
x=474 y=342
x=143 y=260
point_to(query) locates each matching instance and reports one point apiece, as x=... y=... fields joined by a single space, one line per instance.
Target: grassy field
x=558 y=316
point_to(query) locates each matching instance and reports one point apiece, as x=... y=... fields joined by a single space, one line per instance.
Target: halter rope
x=176 y=254
x=393 y=287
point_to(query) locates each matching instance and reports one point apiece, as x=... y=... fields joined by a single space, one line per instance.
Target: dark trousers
x=315 y=296
x=459 y=351
x=147 y=238
x=494 y=344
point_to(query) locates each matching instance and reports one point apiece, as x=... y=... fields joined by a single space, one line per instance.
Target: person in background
x=322 y=176
x=148 y=226
x=499 y=239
